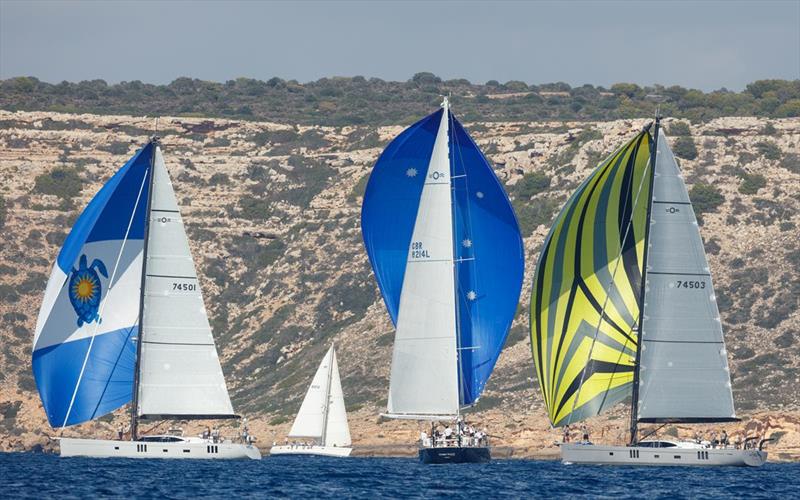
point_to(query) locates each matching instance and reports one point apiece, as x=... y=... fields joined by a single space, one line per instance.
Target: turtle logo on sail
x=85 y=290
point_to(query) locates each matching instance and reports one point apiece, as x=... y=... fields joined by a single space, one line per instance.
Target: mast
x=634 y=426
x=327 y=407
x=459 y=367
x=135 y=403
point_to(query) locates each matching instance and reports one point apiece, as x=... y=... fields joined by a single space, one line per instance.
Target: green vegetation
x=685 y=148
x=346 y=101
x=678 y=129
x=769 y=129
x=566 y=156
x=530 y=185
x=705 y=198
x=115 y=148
x=359 y=189
x=254 y=208
x=769 y=150
x=532 y=215
x=751 y=183
x=3 y=211
x=791 y=162
x=63 y=182
x=219 y=178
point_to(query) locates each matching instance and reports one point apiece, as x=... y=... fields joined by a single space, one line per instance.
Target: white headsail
x=424 y=374
x=180 y=372
x=322 y=415
x=684 y=372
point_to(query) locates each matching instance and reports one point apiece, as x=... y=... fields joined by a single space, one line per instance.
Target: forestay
x=684 y=374
x=180 y=372
x=584 y=303
x=84 y=349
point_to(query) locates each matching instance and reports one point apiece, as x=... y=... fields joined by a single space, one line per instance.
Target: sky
x=706 y=45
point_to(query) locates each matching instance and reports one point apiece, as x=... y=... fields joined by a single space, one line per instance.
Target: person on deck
x=585 y=434
x=448 y=434
x=723 y=440
x=565 y=439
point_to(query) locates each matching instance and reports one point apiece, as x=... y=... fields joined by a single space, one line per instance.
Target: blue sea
x=27 y=475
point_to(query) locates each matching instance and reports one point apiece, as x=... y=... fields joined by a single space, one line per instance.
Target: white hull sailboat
x=168 y=446
x=660 y=453
x=446 y=250
x=320 y=427
x=123 y=320
x=623 y=305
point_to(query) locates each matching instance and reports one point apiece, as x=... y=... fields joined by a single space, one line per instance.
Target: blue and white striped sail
x=447 y=253
x=84 y=350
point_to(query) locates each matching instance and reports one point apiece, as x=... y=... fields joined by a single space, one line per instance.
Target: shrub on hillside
x=791 y=162
x=3 y=211
x=751 y=183
x=685 y=148
x=63 y=182
x=769 y=150
x=530 y=185
x=678 y=129
x=705 y=198
x=115 y=148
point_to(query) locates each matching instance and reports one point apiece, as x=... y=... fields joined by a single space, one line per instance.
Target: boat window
x=656 y=444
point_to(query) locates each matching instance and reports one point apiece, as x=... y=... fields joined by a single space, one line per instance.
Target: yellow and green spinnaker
x=586 y=288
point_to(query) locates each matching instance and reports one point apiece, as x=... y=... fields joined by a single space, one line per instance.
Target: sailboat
x=446 y=250
x=623 y=306
x=322 y=417
x=123 y=319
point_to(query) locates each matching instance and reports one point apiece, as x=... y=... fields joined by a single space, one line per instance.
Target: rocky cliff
x=273 y=217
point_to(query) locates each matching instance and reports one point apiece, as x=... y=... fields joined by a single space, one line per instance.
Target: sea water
x=28 y=475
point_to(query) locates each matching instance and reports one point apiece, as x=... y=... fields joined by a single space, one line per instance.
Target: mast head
x=446 y=103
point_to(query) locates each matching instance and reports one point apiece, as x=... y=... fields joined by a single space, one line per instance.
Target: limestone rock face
x=273 y=214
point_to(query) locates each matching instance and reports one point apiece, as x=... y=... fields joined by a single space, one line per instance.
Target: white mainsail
x=322 y=415
x=684 y=372
x=424 y=374
x=180 y=373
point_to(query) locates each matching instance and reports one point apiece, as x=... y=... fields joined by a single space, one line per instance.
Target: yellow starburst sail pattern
x=586 y=288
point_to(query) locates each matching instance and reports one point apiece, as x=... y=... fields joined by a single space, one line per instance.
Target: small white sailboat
x=446 y=249
x=623 y=305
x=131 y=326
x=322 y=418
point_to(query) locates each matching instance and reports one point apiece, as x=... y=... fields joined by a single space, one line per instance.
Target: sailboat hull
x=636 y=455
x=322 y=451
x=100 y=448
x=454 y=455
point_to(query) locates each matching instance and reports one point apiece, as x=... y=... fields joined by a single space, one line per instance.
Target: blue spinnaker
x=84 y=351
x=488 y=251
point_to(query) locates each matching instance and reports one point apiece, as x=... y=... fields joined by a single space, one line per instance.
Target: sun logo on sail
x=85 y=290
x=411 y=172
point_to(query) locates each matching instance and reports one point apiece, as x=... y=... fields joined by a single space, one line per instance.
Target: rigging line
x=634 y=153
x=447 y=118
x=103 y=304
x=458 y=159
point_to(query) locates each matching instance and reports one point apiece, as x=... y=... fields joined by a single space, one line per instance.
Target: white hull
x=323 y=451
x=100 y=448
x=635 y=455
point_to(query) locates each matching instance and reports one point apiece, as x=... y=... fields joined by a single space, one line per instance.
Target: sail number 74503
x=690 y=284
